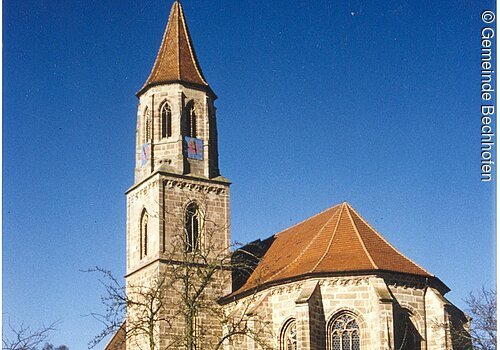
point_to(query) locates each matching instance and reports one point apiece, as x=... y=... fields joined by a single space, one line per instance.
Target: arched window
x=406 y=336
x=343 y=333
x=147 y=126
x=144 y=234
x=288 y=338
x=192 y=226
x=166 y=120
x=191 y=120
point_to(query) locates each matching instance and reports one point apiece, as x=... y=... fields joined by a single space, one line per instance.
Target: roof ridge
x=307 y=219
x=387 y=242
x=191 y=51
x=331 y=240
x=308 y=245
x=360 y=239
x=179 y=11
x=161 y=52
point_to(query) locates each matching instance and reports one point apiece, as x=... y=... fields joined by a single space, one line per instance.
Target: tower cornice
x=219 y=180
x=204 y=88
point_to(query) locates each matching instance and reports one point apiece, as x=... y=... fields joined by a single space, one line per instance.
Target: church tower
x=179 y=203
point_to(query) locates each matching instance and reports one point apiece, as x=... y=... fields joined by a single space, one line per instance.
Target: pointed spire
x=176 y=60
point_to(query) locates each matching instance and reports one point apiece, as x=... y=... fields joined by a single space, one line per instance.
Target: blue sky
x=373 y=102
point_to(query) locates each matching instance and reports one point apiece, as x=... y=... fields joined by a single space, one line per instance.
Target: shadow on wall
x=246 y=259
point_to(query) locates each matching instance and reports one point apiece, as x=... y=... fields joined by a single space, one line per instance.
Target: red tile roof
x=119 y=339
x=337 y=240
x=176 y=60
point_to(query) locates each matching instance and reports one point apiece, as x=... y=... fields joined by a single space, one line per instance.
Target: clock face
x=194 y=147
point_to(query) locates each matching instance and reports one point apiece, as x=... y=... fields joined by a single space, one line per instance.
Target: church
x=329 y=282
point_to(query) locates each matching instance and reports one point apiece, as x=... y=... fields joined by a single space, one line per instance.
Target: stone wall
x=165 y=197
x=168 y=150
x=372 y=300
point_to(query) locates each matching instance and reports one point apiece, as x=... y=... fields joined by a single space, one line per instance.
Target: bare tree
x=199 y=267
x=476 y=330
x=49 y=346
x=482 y=308
x=25 y=337
x=114 y=300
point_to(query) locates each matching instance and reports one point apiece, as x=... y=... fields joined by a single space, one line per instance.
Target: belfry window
x=191 y=120
x=343 y=333
x=166 y=120
x=144 y=234
x=192 y=227
x=288 y=338
x=147 y=126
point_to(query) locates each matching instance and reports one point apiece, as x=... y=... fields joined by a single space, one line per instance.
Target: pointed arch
x=192 y=225
x=144 y=233
x=166 y=120
x=146 y=126
x=191 y=122
x=406 y=334
x=288 y=335
x=344 y=332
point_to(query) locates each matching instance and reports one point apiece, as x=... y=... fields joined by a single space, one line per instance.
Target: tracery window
x=406 y=335
x=144 y=234
x=166 y=120
x=191 y=120
x=288 y=337
x=344 y=333
x=192 y=226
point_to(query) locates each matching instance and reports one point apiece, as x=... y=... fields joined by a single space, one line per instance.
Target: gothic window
x=192 y=227
x=166 y=120
x=343 y=333
x=191 y=120
x=406 y=336
x=147 y=126
x=288 y=337
x=144 y=234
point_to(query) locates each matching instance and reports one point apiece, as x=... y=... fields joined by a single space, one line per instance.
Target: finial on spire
x=176 y=60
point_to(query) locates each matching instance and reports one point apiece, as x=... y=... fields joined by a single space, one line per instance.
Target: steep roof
x=335 y=241
x=176 y=60
x=119 y=339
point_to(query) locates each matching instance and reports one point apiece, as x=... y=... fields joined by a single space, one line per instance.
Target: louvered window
x=191 y=120
x=144 y=234
x=166 y=120
x=147 y=126
x=192 y=227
